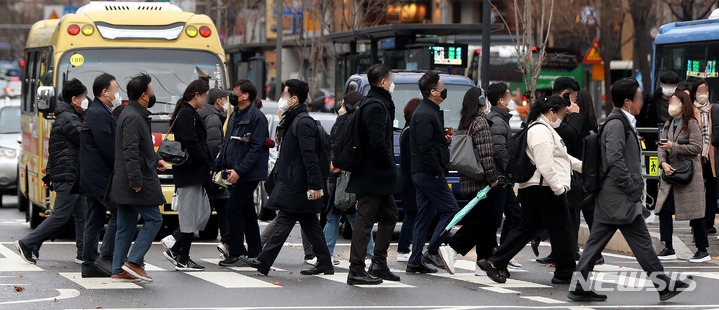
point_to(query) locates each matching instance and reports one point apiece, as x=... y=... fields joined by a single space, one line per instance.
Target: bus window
x=691 y=61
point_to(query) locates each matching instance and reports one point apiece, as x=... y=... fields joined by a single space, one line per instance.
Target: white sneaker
x=78 y=261
x=448 y=255
x=168 y=242
x=312 y=261
x=403 y=257
x=514 y=264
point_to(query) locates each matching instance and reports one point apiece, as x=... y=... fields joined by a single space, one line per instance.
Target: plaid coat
x=481 y=135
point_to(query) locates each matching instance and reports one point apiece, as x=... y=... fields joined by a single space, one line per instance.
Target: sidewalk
x=683 y=240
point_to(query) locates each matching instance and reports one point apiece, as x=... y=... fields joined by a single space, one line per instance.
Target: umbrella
x=470 y=205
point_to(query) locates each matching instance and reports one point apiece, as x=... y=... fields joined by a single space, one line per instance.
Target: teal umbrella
x=470 y=205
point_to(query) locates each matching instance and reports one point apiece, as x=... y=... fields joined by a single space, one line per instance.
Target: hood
x=9 y=140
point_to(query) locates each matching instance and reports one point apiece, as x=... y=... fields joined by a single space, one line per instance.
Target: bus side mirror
x=46 y=99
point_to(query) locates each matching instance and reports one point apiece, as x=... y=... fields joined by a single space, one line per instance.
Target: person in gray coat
x=135 y=185
x=618 y=204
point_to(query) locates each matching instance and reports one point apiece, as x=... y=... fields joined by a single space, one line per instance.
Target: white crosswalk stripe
x=12 y=262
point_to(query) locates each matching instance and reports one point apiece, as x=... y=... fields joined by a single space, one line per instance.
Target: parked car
x=323 y=101
x=9 y=149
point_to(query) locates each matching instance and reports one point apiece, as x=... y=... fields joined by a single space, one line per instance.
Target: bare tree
x=684 y=10
x=641 y=12
x=610 y=19
x=531 y=31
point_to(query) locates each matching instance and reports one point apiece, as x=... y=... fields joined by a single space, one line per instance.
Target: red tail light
x=73 y=29
x=205 y=31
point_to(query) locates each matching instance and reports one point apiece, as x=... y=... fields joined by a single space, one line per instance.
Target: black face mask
x=443 y=94
x=152 y=101
x=234 y=100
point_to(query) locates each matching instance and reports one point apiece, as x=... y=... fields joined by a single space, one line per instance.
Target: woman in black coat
x=191 y=201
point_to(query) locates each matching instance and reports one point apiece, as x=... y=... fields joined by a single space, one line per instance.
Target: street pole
x=278 y=48
x=484 y=74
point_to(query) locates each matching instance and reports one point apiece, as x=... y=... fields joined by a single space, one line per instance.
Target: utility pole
x=486 y=15
x=278 y=60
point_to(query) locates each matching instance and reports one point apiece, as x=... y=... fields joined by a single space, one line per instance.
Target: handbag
x=171 y=151
x=343 y=199
x=463 y=157
x=683 y=171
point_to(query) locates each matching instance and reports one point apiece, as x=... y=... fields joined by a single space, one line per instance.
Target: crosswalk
x=245 y=277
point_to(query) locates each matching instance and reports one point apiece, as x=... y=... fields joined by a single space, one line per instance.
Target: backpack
x=323 y=143
x=520 y=168
x=346 y=137
x=592 y=176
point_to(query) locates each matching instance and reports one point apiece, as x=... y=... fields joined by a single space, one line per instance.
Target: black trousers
x=94 y=222
x=636 y=235
x=242 y=220
x=478 y=231
x=541 y=208
x=666 y=225
x=220 y=206
x=710 y=187
x=310 y=225
x=370 y=210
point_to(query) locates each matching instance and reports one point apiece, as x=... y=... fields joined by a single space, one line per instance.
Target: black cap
x=216 y=93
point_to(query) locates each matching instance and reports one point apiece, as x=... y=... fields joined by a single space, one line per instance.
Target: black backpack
x=346 y=137
x=592 y=175
x=323 y=143
x=520 y=168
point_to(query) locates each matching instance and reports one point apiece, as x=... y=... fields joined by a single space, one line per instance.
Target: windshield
x=691 y=61
x=10 y=120
x=171 y=70
x=451 y=106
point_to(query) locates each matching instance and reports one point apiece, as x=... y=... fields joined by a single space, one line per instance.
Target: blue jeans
x=433 y=198
x=126 y=226
x=68 y=206
x=332 y=230
x=405 y=234
x=505 y=202
x=94 y=222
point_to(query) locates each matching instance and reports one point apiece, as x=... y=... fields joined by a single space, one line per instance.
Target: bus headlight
x=88 y=30
x=7 y=152
x=191 y=31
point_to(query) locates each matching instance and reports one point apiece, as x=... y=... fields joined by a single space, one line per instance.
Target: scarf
x=704 y=112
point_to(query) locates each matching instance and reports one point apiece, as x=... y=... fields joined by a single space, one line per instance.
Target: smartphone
x=662 y=141
x=309 y=195
x=225 y=174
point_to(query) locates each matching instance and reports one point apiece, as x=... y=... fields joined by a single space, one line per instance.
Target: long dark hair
x=586 y=107
x=196 y=87
x=543 y=105
x=470 y=107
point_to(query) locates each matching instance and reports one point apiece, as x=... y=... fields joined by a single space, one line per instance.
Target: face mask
x=283 y=105
x=118 y=100
x=675 y=110
x=510 y=105
x=702 y=99
x=443 y=94
x=234 y=100
x=152 y=101
x=391 y=88
x=84 y=104
x=668 y=91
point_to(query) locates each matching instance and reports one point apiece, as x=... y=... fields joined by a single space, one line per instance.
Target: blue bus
x=690 y=49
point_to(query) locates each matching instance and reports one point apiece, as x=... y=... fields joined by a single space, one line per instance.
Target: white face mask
x=668 y=91
x=675 y=110
x=84 y=104
x=702 y=99
x=510 y=105
x=557 y=122
x=118 y=100
x=283 y=105
x=487 y=108
x=391 y=88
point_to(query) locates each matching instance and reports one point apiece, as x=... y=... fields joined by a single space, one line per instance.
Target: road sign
x=593 y=56
x=57 y=11
x=653 y=166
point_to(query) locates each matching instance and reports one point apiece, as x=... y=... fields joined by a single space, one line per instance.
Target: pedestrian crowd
x=103 y=166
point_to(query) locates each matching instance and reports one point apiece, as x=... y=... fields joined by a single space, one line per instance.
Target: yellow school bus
x=123 y=39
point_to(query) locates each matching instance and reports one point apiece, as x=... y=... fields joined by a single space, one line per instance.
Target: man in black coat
x=97 y=157
x=375 y=181
x=298 y=192
x=61 y=175
x=135 y=185
x=430 y=157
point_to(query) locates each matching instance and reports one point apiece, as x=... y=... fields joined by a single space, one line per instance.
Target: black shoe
x=600 y=261
x=506 y=273
x=433 y=259
x=189 y=265
x=25 y=252
x=94 y=271
x=362 y=278
x=582 y=295
x=254 y=263
x=667 y=254
x=535 y=246
x=556 y=280
x=232 y=261
x=492 y=272
x=317 y=269
x=711 y=231
x=546 y=260
x=382 y=271
x=679 y=287
x=700 y=257
x=420 y=268
x=104 y=264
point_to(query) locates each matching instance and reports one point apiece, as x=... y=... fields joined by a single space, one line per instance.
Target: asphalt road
x=55 y=283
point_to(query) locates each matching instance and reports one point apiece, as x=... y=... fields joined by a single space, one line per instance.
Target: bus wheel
x=22 y=201
x=33 y=215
